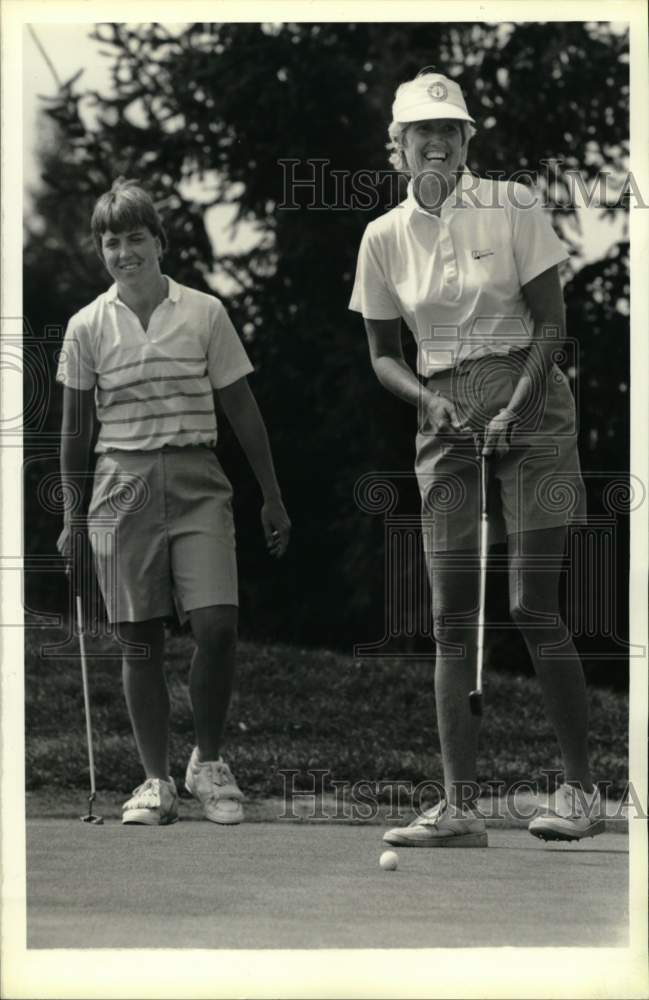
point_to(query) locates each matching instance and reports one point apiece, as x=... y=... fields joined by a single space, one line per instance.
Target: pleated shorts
x=162 y=533
x=537 y=484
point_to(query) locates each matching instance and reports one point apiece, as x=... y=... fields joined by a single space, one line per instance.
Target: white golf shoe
x=213 y=784
x=153 y=803
x=573 y=814
x=442 y=826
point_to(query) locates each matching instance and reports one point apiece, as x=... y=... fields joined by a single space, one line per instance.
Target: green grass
x=301 y=709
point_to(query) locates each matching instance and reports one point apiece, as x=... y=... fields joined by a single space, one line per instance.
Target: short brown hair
x=126 y=206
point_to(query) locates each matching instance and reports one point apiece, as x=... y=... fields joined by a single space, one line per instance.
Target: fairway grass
x=297 y=710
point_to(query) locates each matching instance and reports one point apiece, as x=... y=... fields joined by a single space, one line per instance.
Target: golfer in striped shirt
x=144 y=359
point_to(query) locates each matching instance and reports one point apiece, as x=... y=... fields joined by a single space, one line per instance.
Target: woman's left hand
x=277 y=526
x=498 y=433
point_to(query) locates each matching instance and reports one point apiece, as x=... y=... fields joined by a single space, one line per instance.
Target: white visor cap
x=429 y=96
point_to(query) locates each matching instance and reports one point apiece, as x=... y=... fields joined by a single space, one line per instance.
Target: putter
x=90 y=817
x=475 y=697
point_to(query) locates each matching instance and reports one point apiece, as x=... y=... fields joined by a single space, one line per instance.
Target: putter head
x=91 y=818
x=475 y=702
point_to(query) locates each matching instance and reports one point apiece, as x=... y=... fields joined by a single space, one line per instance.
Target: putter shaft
x=86 y=696
x=90 y=817
x=475 y=697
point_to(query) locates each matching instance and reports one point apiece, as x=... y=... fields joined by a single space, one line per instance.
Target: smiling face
x=436 y=147
x=131 y=256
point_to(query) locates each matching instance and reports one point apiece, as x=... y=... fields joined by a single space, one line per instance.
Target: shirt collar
x=457 y=197
x=173 y=291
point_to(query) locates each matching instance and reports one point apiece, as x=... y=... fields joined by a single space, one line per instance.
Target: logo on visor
x=437 y=92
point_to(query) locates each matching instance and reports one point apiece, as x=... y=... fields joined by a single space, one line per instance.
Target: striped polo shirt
x=153 y=388
x=457 y=280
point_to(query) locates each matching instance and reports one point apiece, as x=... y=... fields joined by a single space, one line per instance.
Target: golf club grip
x=475 y=702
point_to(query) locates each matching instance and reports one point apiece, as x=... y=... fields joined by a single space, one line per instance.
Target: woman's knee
x=536 y=560
x=452 y=634
x=454 y=588
x=532 y=616
x=215 y=629
x=141 y=643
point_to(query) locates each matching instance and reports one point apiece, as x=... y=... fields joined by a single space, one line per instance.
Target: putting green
x=286 y=885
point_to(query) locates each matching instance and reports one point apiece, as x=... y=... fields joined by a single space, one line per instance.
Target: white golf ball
x=389 y=861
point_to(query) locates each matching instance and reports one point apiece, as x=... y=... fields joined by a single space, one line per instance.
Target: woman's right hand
x=64 y=545
x=72 y=546
x=440 y=416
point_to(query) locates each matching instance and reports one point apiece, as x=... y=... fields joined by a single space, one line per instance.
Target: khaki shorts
x=162 y=533
x=538 y=484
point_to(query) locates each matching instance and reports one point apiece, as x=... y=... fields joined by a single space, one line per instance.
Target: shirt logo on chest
x=478 y=254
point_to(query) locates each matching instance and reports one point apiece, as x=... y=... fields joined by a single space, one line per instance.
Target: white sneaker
x=441 y=826
x=153 y=803
x=574 y=814
x=213 y=784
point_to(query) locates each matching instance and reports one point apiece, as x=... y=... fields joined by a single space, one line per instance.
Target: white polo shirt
x=457 y=280
x=153 y=388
